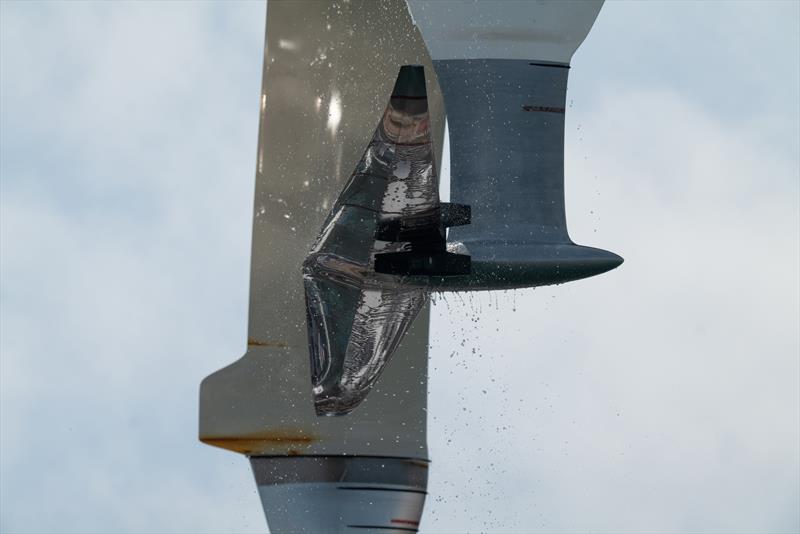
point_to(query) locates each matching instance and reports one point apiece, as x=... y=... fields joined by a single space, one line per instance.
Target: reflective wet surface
x=357 y=317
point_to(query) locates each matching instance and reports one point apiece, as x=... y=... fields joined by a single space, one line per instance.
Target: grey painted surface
x=503 y=69
x=504 y=29
x=305 y=508
x=328 y=74
x=341 y=494
x=506 y=122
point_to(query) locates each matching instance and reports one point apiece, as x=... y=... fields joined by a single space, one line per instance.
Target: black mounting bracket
x=427 y=237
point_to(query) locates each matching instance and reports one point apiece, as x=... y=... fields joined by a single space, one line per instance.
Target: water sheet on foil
x=357 y=317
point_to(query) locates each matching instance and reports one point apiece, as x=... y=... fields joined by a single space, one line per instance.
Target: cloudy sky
x=661 y=397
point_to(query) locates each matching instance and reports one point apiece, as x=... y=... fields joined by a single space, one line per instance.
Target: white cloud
x=128 y=138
